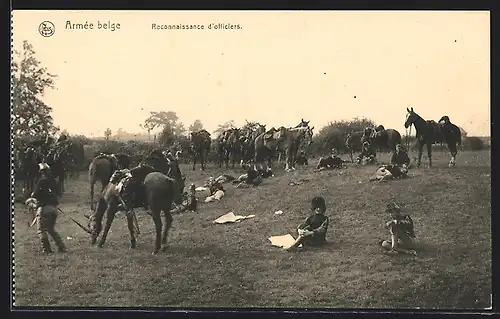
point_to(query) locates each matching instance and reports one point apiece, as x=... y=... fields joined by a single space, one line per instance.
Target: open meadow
x=234 y=265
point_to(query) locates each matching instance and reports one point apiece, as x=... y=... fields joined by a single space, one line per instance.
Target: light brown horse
x=293 y=137
x=266 y=144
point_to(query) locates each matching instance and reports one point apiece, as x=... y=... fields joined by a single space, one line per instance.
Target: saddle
x=130 y=188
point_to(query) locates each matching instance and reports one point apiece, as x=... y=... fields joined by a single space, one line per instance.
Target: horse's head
x=260 y=129
x=302 y=123
x=411 y=116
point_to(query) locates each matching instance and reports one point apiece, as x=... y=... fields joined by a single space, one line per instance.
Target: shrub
x=473 y=143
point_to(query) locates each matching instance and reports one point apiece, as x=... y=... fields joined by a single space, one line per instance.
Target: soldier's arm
x=304 y=224
x=322 y=228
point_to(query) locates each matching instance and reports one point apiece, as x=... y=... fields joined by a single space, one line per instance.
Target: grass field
x=234 y=265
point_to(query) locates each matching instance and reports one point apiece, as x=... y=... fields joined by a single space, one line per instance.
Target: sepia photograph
x=251 y=159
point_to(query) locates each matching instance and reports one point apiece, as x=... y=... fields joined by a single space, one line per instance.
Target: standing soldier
x=46 y=214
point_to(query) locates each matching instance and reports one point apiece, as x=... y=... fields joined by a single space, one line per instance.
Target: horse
x=248 y=136
x=155 y=183
x=101 y=168
x=200 y=147
x=28 y=164
x=382 y=138
x=230 y=146
x=293 y=138
x=430 y=132
x=353 y=142
x=266 y=144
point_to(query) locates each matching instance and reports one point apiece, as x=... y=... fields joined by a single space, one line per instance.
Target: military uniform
x=46 y=214
x=367 y=152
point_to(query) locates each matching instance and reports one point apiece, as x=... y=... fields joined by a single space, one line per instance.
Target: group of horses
x=63 y=156
x=252 y=144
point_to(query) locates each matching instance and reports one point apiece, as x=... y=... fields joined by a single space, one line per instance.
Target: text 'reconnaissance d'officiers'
x=210 y=26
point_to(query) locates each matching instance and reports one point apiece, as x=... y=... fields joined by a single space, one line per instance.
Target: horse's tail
x=459 y=138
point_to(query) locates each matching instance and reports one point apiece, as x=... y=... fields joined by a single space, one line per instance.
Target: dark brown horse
x=231 y=148
x=28 y=166
x=200 y=147
x=430 y=132
x=155 y=184
x=248 y=135
x=381 y=138
x=353 y=143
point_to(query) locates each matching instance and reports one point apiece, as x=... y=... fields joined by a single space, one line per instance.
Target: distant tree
x=179 y=129
x=30 y=115
x=107 y=134
x=334 y=134
x=161 y=119
x=196 y=126
x=227 y=125
x=167 y=136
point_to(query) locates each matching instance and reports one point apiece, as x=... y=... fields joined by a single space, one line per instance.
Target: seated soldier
x=400 y=156
x=368 y=155
x=301 y=158
x=312 y=232
x=189 y=203
x=214 y=186
x=402 y=233
x=330 y=162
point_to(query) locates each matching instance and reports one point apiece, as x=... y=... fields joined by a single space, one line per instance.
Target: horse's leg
x=156 y=214
x=429 y=153
x=131 y=230
x=110 y=215
x=203 y=159
x=420 y=150
x=453 y=150
x=194 y=161
x=350 y=153
x=168 y=224
x=92 y=183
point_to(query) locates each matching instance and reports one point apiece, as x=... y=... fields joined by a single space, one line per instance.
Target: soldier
x=402 y=232
x=400 y=156
x=312 y=232
x=367 y=153
x=46 y=214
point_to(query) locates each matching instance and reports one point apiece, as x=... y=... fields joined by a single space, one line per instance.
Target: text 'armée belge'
x=99 y=25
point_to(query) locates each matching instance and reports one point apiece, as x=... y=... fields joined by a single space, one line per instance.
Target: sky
x=278 y=67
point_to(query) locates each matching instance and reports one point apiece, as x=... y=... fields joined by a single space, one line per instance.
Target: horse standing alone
x=430 y=132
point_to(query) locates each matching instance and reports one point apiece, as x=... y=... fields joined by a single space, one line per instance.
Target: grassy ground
x=234 y=265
